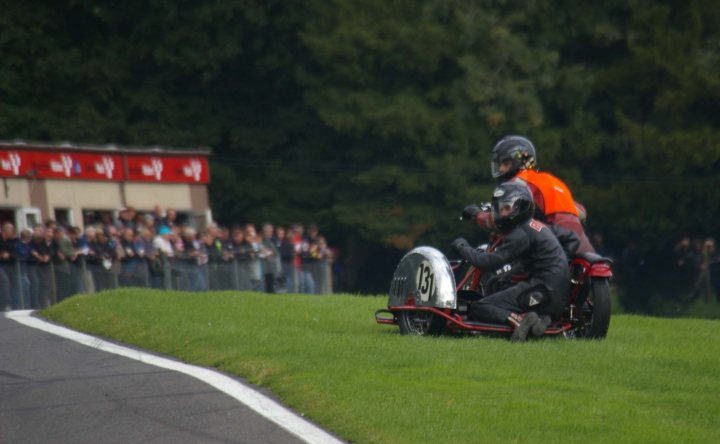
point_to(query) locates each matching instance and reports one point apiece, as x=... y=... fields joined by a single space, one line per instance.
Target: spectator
x=86 y=241
x=153 y=263
x=687 y=265
x=8 y=267
x=176 y=240
x=325 y=258
x=133 y=267
x=309 y=260
x=287 y=259
x=709 y=260
x=271 y=257
x=220 y=258
x=106 y=218
x=103 y=250
x=157 y=216
x=302 y=252
x=163 y=242
x=22 y=253
x=194 y=255
x=39 y=266
x=254 y=267
x=145 y=221
x=113 y=235
x=243 y=255
x=223 y=237
x=76 y=264
x=50 y=226
x=170 y=219
x=62 y=255
x=287 y=256
x=126 y=218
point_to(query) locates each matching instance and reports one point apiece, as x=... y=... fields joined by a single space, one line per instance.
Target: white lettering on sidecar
x=425 y=282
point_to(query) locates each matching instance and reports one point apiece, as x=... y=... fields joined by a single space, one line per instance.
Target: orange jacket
x=550 y=194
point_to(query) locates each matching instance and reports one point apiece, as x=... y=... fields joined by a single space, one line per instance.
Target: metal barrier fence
x=25 y=285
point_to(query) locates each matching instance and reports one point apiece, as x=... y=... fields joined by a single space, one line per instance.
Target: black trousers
x=524 y=296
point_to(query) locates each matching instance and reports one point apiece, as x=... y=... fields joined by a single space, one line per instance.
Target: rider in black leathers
x=531 y=246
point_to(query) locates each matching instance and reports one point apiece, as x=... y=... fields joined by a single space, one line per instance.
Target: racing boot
x=538 y=329
x=523 y=328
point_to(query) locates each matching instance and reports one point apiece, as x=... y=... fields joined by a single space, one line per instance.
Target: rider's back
x=554 y=203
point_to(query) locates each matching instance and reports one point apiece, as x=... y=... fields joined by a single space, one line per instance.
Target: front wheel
x=596 y=309
x=420 y=323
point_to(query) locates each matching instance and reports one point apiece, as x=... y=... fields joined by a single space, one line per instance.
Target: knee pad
x=533 y=300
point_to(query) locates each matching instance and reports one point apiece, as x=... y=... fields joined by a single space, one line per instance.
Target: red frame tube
x=456 y=322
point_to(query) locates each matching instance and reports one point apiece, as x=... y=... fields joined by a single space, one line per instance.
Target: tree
x=417 y=92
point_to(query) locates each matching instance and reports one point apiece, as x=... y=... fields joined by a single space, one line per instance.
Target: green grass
x=651 y=380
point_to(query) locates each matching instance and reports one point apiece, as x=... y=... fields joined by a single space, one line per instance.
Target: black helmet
x=517 y=196
x=518 y=150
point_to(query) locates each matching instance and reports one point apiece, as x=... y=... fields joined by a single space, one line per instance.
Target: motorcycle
x=430 y=295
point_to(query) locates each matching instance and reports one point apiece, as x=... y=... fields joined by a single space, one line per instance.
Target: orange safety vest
x=556 y=195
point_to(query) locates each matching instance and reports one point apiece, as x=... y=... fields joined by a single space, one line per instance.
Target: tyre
x=596 y=310
x=420 y=323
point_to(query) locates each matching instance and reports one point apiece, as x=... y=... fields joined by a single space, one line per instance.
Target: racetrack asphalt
x=56 y=390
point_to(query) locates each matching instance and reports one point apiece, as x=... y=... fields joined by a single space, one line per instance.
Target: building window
x=64 y=217
x=7 y=215
x=28 y=218
x=94 y=216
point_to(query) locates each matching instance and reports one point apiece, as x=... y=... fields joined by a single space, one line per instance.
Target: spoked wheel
x=420 y=323
x=596 y=311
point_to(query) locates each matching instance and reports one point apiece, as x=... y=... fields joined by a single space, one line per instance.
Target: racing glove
x=470 y=212
x=459 y=244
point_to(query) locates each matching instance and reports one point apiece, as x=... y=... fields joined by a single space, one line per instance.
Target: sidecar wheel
x=420 y=323
x=597 y=309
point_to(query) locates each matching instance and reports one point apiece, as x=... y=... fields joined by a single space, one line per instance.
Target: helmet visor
x=500 y=167
x=504 y=207
x=495 y=168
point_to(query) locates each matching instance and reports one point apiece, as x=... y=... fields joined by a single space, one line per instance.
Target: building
x=80 y=184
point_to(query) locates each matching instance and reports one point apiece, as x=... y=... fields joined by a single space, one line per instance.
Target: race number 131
x=425 y=281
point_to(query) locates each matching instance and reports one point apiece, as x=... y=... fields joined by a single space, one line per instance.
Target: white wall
x=18 y=193
x=78 y=194
x=144 y=196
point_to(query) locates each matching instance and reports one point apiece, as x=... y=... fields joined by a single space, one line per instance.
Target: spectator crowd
x=669 y=280
x=50 y=262
x=697 y=265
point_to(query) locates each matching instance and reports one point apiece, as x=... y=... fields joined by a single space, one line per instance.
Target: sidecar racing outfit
x=535 y=249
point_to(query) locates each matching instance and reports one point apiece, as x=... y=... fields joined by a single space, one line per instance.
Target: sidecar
x=424 y=298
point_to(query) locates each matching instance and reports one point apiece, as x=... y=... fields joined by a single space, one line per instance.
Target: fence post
x=53 y=282
x=327 y=281
x=88 y=280
x=167 y=273
x=115 y=267
x=236 y=277
x=19 y=287
x=206 y=270
x=146 y=273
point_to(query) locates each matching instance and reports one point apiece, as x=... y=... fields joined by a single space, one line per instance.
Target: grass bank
x=651 y=380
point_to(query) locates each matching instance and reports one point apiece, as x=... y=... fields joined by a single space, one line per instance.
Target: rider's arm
x=515 y=244
x=569 y=241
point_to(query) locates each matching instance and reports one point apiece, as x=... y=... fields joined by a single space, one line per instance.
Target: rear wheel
x=420 y=323
x=596 y=310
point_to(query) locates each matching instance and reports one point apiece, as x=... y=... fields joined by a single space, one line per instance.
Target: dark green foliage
x=375 y=118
